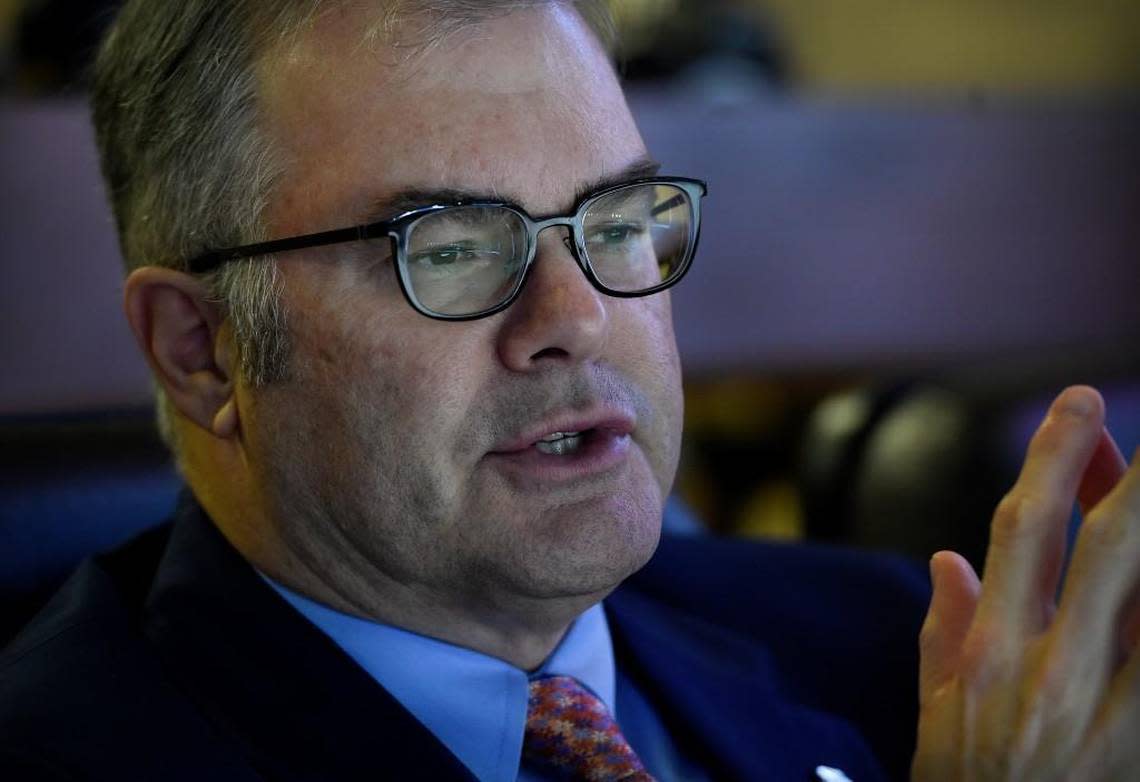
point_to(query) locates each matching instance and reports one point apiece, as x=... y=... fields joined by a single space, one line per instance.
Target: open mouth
x=572 y=453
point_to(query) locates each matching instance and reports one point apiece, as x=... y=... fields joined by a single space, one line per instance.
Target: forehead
x=525 y=105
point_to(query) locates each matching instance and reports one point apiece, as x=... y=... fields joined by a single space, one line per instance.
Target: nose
x=559 y=316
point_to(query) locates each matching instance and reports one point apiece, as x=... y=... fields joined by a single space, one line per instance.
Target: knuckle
x=980 y=655
x=1048 y=689
x=1112 y=532
x=928 y=635
x=1017 y=517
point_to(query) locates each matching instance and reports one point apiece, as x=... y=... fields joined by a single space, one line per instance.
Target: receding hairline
x=408 y=29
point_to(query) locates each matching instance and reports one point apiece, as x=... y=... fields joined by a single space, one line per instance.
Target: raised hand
x=1015 y=686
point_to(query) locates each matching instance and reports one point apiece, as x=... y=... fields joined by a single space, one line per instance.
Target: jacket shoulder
x=82 y=695
x=839 y=626
x=855 y=597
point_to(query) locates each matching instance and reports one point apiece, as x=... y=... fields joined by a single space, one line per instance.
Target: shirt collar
x=473 y=703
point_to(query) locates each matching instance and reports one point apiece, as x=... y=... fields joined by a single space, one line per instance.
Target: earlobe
x=181 y=334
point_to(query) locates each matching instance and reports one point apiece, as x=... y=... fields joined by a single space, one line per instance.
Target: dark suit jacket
x=170 y=659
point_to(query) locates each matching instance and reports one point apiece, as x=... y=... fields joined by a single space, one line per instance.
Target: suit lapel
x=718 y=695
x=284 y=693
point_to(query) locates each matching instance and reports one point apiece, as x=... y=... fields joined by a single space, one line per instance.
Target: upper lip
x=608 y=419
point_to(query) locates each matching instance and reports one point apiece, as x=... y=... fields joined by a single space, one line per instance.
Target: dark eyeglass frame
x=399 y=228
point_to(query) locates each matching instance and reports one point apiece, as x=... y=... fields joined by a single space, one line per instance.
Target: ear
x=189 y=348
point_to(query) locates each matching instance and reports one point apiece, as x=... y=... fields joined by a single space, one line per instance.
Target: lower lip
x=600 y=452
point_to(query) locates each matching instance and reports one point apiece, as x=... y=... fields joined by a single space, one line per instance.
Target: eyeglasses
x=470 y=260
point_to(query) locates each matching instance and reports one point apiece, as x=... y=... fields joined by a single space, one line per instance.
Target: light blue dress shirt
x=476 y=704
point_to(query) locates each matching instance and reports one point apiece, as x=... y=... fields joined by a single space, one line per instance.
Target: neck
x=523 y=633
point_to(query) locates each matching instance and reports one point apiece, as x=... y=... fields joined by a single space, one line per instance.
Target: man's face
x=401 y=448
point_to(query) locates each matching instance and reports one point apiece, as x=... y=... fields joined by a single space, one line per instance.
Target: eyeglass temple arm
x=212 y=260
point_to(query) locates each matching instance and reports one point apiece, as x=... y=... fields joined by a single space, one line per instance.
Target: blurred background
x=923 y=221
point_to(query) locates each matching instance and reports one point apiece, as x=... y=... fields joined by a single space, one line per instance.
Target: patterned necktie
x=570 y=734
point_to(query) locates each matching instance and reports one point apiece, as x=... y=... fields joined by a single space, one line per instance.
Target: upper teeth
x=559 y=443
x=558 y=436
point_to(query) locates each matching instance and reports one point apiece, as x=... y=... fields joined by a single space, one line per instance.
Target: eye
x=453 y=261
x=616 y=234
x=453 y=254
x=448 y=255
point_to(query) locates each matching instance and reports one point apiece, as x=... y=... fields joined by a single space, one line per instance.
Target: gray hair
x=187 y=166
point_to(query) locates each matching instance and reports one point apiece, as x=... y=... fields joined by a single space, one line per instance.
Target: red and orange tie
x=571 y=735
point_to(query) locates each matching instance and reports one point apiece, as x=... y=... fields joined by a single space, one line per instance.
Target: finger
x=1105 y=566
x=1081 y=653
x=952 y=607
x=1129 y=636
x=943 y=751
x=1112 y=751
x=1105 y=468
x=1027 y=539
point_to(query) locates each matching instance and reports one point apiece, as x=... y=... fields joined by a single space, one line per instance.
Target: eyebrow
x=642 y=167
x=387 y=207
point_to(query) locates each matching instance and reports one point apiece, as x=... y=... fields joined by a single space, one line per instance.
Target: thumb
x=952 y=607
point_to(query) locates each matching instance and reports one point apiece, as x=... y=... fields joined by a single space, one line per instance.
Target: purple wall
x=836 y=235
x=856 y=234
x=63 y=340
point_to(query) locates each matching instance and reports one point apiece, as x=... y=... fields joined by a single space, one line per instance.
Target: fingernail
x=1075 y=403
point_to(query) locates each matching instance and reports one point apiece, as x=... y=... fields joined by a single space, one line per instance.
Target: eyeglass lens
x=464 y=260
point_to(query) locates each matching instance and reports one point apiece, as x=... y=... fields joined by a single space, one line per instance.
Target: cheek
x=357 y=339
x=648 y=352
x=411 y=384
x=643 y=329
x=382 y=425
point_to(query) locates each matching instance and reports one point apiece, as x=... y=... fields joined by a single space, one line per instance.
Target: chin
x=589 y=548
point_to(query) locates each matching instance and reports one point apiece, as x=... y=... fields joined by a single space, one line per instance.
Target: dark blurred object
x=56 y=42
x=741 y=435
x=919 y=466
x=718 y=46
